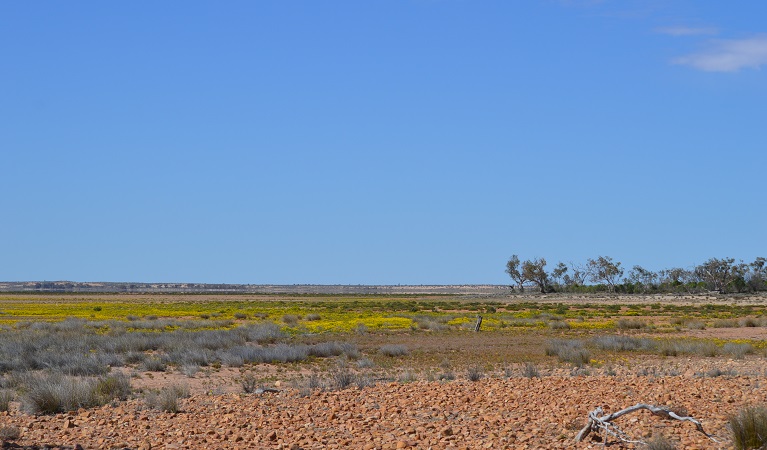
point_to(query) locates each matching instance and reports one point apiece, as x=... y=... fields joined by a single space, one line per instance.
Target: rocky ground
x=495 y=412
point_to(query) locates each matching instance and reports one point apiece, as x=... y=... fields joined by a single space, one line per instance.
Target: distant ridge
x=202 y=288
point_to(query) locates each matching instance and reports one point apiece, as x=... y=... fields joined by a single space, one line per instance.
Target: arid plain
x=374 y=371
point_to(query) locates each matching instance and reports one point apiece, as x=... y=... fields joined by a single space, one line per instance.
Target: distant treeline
x=603 y=274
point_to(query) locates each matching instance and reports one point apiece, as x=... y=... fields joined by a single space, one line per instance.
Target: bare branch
x=598 y=421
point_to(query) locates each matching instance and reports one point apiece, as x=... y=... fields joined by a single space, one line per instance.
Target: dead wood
x=597 y=422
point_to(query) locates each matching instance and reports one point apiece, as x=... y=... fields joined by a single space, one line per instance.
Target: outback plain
x=313 y=371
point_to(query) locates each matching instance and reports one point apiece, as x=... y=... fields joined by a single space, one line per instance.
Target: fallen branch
x=597 y=422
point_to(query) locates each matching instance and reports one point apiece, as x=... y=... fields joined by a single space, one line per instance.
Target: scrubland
x=236 y=371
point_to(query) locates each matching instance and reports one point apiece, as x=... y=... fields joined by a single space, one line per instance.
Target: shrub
x=290 y=319
x=365 y=363
x=153 y=365
x=474 y=373
x=559 y=325
x=363 y=381
x=393 y=350
x=240 y=316
x=112 y=387
x=725 y=323
x=342 y=379
x=696 y=325
x=248 y=383
x=749 y=428
x=407 y=376
x=55 y=394
x=6 y=397
x=313 y=317
x=736 y=350
x=622 y=343
x=748 y=322
x=448 y=375
x=429 y=323
x=530 y=371
x=167 y=399
x=717 y=372
x=261 y=333
x=629 y=324
x=571 y=351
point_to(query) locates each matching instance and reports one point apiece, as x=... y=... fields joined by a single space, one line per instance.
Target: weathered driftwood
x=597 y=422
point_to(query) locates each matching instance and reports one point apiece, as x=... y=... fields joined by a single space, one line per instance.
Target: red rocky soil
x=515 y=413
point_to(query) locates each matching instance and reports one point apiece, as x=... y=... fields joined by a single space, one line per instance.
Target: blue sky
x=377 y=142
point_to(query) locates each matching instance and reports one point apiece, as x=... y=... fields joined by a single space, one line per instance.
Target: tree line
x=603 y=274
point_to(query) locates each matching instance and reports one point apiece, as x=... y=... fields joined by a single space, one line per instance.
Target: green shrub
x=393 y=350
x=474 y=373
x=55 y=394
x=749 y=428
x=571 y=351
x=112 y=387
x=530 y=371
x=6 y=397
x=290 y=319
x=629 y=324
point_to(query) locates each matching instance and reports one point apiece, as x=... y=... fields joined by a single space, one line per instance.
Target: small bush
x=530 y=371
x=748 y=322
x=363 y=381
x=393 y=350
x=342 y=379
x=6 y=397
x=153 y=365
x=559 y=325
x=622 y=343
x=168 y=398
x=365 y=363
x=240 y=316
x=313 y=317
x=571 y=351
x=407 y=376
x=249 y=383
x=474 y=373
x=717 y=372
x=112 y=387
x=749 y=428
x=696 y=325
x=738 y=351
x=448 y=375
x=290 y=319
x=725 y=323
x=629 y=324
x=55 y=394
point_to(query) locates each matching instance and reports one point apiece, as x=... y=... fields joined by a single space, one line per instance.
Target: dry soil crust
x=516 y=413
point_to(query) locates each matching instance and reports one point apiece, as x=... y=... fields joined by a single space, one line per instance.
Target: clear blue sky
x=387 y=142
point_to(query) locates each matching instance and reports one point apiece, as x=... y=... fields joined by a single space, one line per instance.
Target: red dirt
x=515 y=413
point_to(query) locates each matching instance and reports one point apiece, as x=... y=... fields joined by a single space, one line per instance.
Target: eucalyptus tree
x=604 y=270
x=718 y=274
x=535 y=270
x=514 y=269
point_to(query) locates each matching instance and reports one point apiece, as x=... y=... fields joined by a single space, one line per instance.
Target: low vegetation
x=749 y=428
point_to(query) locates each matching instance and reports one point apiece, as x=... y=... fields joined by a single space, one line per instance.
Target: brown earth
x=514 y=413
